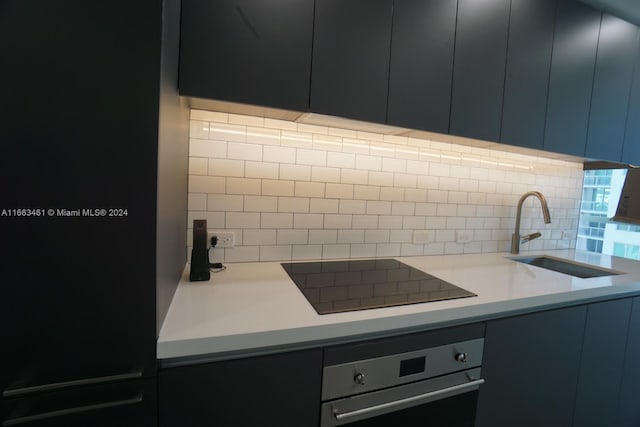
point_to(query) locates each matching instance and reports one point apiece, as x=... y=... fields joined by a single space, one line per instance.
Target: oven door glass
x=456 y=411
x=448 y=400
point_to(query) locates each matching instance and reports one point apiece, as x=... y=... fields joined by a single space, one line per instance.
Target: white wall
x=293 y=191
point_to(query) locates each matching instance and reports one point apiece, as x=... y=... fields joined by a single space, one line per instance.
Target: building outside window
x=600 y=195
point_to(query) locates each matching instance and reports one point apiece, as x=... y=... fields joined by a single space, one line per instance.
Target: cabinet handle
x=69 y=411
x=458 y=389
x=66 y=384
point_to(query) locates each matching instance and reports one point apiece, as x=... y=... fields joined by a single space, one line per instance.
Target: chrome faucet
x=516 y=238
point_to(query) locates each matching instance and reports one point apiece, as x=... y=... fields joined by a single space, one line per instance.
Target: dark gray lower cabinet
x=629 y=409
x=277 y=390
x=531 y=366
x=601 y=364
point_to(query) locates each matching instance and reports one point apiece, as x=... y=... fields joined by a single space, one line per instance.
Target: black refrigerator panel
x=128 y=404
x=79 y=113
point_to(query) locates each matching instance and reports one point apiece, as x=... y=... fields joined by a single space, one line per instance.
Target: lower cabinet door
x=128 y=404
x=531 y=365
x=281 y=390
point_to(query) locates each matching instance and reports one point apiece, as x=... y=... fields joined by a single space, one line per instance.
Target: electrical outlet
x=567 y=235
x=226 y=239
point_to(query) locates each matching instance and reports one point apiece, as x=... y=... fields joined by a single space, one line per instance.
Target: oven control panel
x=361 y=376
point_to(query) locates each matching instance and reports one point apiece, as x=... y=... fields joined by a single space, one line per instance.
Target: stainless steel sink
x=566 y=267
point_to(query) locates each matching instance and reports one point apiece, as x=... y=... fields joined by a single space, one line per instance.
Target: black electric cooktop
x=338 y=286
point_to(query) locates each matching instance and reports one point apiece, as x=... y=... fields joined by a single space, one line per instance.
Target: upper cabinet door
x=617 y=47
x=527 y=79
x=351 y=44
x=422 y=64
x=249 y=51
x=631 y=148
x=479 y=67
x=571 y=80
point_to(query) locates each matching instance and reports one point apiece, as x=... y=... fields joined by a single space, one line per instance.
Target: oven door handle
x=414 y=400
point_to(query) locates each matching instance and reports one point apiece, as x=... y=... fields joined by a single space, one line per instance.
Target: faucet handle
x=529 y=237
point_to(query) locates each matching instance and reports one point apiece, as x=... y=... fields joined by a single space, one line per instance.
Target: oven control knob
x=461 y=357
x=358 y=378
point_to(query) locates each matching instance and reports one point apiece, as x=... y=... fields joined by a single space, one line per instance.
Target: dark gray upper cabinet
x=603 y=353
x=351 y=46
x=249 y=51
x=422 y=64
x=571 y=80
x=531 y=29
x=629 y=410
x=531 y=366
x=617 y=46
x=479 y=67
x=631 y=147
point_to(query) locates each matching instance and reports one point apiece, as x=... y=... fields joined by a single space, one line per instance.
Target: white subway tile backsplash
x=364 y=221
x=225 y=167
x=323 y=237
x=242 y=220
x=308 y=221
x=197 y=166
x=272 y=187
x=309 y=189
x=325 y=174
x=279 y=154
x=335 y=251
x=366 y=192
x=351 y=236
x=378 y=207
x=353 y=206
x=306 y=252
x=206 y=184
x=242 y=254
x=225 y=203
x=311 y=157
x=260 y=204
x=258 y=237
x=225 y=132
x=341 y=160
x=297 y=191
x=295 y=172
x=296 y=139
x=293 y=204
x=354 y=176
x=293 y=237
x=329 y=206
x=236 y=150
x=339 y=221
x=207 y=148
x=276 y=220
x=339 y=191
x=376 y=236
x=244 y=186
x=196 y=202
x=391 y=193
x=390 y=221
x=263 y=136
x=261 y=170
x=199 y=129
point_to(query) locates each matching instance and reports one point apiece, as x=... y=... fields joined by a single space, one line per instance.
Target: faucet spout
x=515 y=238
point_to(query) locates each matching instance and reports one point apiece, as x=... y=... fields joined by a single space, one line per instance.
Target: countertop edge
x=217 y=348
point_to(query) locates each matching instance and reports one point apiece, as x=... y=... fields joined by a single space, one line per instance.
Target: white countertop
x=253 y=307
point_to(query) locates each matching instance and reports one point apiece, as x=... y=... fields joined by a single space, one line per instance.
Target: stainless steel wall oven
x=430 y=377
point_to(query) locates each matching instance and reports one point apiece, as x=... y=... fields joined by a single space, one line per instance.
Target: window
x=601 y=191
